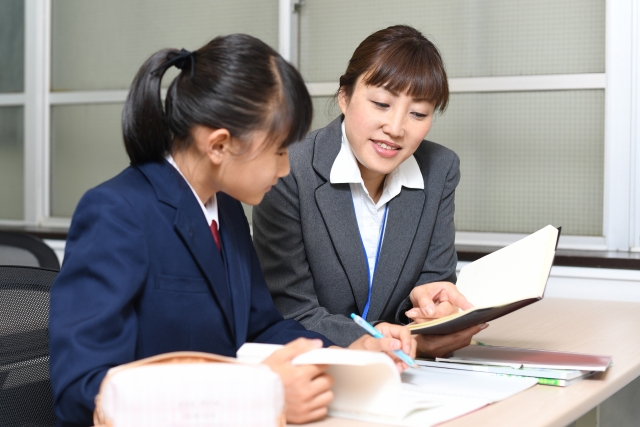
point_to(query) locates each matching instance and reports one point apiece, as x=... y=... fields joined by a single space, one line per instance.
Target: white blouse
x=370 y=215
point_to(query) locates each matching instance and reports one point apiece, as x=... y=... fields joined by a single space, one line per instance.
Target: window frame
x=621 y=201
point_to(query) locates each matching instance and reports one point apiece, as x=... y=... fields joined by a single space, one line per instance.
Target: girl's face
x=248 y=176
x=383 y=128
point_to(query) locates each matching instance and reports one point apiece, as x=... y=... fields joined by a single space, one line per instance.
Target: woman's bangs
x=406 y=71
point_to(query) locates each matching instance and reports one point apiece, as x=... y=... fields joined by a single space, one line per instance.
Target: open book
x=500 y=283
x=366 y=383
x=368 y=387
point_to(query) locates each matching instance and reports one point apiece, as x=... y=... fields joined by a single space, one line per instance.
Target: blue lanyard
x=375 y=266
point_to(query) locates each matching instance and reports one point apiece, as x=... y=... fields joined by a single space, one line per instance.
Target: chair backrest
x=25 y=249
x=25 y=390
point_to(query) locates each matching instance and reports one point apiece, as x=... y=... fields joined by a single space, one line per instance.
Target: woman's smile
x=386 y=149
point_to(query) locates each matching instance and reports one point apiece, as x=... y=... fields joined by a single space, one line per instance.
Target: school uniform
x=142 y=275
x=327 y=250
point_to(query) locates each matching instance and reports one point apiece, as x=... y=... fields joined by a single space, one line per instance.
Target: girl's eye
x=380 y=104
x=419 y=115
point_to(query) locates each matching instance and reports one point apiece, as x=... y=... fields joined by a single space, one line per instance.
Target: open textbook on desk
x=500 y=283
x=368 y=387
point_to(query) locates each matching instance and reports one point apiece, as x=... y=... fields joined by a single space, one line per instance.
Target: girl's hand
x=435 y=300
x=397 y=337
x=307 y=388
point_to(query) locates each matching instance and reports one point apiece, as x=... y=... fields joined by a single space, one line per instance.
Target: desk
x=556 y=324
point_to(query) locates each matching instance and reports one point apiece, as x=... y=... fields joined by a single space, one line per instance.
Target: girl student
x=160 y=258
x=364 y=222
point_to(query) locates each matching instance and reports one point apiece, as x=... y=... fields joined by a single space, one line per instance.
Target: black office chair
x=25 y=249
x=25 y=389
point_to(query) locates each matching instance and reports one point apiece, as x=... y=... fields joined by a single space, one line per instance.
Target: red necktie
x=216 y=234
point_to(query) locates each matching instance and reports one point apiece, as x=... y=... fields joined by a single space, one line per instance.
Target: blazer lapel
x=190 y=225
x=336 y=207
x=239 y=279
x=405 y=212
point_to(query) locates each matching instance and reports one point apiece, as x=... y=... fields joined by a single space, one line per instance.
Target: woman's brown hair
x=402 y=60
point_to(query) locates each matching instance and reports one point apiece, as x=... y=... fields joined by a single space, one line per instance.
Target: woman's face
x=383 y=128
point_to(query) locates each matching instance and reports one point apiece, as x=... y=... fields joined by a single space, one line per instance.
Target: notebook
x=500 y=283
x=528 y=358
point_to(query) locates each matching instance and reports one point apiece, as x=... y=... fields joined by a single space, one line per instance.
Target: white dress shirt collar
x=209 y=209
x=345 y=170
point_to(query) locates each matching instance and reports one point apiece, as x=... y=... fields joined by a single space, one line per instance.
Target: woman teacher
x=364 y=222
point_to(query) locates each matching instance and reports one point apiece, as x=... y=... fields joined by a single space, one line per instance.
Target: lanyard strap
x=375 y=266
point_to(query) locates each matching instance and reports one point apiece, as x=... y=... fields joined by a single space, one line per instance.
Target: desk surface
x=610 y=328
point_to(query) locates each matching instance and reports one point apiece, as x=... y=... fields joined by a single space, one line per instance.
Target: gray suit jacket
x=306 y=235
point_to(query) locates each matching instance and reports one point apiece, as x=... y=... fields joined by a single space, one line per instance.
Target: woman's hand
x=396 y=337
x=435 y=300
x=441 y=345
x=307 y=388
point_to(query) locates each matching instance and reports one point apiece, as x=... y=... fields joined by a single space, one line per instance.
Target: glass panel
x=86 y=149
x=11 y=163
x=12 y=45
x=528 y=159
x=99 y=45
x=476 y=38
x=325 y=109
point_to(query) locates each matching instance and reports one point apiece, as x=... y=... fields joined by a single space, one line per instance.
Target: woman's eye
x=419 y=115
x=380 y=104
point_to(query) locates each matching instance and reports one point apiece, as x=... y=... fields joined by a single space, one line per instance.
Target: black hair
x=235 y=82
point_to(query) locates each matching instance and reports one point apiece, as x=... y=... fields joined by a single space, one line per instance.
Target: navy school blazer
x=142 y=276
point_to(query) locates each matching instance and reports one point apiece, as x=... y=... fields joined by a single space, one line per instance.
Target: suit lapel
x=336 y=207
x=238 y=274
x=405 y=212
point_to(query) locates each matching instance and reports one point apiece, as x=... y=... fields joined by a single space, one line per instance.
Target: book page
x=464 y=384
x=513 y=273
x=365 y=382
x=255 y=353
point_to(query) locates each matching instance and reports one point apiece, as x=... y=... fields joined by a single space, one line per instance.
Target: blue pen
x=376 y=334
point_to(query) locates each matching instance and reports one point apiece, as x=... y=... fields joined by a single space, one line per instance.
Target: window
x=543 y=110
x=527 y=113
x=11 y=110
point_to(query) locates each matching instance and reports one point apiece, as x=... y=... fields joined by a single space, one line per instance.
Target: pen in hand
x=376 y=334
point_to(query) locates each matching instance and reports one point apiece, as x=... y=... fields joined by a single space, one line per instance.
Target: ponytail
x=235 y=82
x=144 y=127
